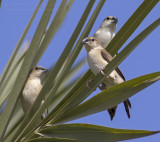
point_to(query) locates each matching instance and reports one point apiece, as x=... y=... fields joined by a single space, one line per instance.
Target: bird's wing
x=106 y=56
x=97 y=32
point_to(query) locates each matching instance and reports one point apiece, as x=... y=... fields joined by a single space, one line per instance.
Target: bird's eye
x=92 y=39
x=107 y=18
x=36 y=68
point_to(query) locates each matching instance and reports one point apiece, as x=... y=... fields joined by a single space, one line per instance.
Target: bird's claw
x=101 y=70
x=107 y=76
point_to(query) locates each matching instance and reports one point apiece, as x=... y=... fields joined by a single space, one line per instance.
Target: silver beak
x=115 y=20
x=45 y=70
x=85 y=40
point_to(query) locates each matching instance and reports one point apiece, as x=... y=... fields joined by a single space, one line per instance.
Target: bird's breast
x=30 y=93
x=95 y=61
x=32 y=88
x=104 y=37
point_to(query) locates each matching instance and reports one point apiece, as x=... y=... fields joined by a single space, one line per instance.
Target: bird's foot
x=101 y=70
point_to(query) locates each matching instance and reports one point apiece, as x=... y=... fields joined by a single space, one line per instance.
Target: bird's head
x=110 y=22
x=91 y=43
x=38 y=72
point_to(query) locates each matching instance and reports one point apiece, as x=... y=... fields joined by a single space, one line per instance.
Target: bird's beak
x=45 y=70
x=115 y=20
x=85 y=41
x=86 y=44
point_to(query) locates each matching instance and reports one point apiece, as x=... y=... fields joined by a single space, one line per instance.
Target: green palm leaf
x=90 y=133
x=109 y=98
x=65 y=95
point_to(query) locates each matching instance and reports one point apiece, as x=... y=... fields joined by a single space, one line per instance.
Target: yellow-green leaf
x=93 y=133
x=109 y=97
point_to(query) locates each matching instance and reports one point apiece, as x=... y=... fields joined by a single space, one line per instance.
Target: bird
x=107 y=30
x=32 y=89
x=98 y=58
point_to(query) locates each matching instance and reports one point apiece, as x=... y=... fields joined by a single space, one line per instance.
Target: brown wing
x=108 y=58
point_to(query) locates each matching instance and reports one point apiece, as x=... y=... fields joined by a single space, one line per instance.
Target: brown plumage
x=98 y=58
x=32 y=89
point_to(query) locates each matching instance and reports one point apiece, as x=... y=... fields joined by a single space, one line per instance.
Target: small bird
x=98 y=58
x=32 y=89
x=107 y=30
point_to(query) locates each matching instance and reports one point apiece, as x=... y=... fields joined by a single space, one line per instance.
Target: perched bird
x=107 y=30
x=98 y=58
x=32 y=89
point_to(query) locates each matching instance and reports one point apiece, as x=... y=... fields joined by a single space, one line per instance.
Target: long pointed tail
x=112 y=112
x=127 y=105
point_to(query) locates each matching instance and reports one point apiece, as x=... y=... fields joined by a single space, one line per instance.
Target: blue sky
x=144 y=59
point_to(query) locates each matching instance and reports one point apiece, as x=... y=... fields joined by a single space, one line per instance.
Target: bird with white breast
x=98 y=58
x=32 y=89
x=107 y=30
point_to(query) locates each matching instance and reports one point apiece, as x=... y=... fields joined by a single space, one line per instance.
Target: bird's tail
x=127 y=105
x=112 y=112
